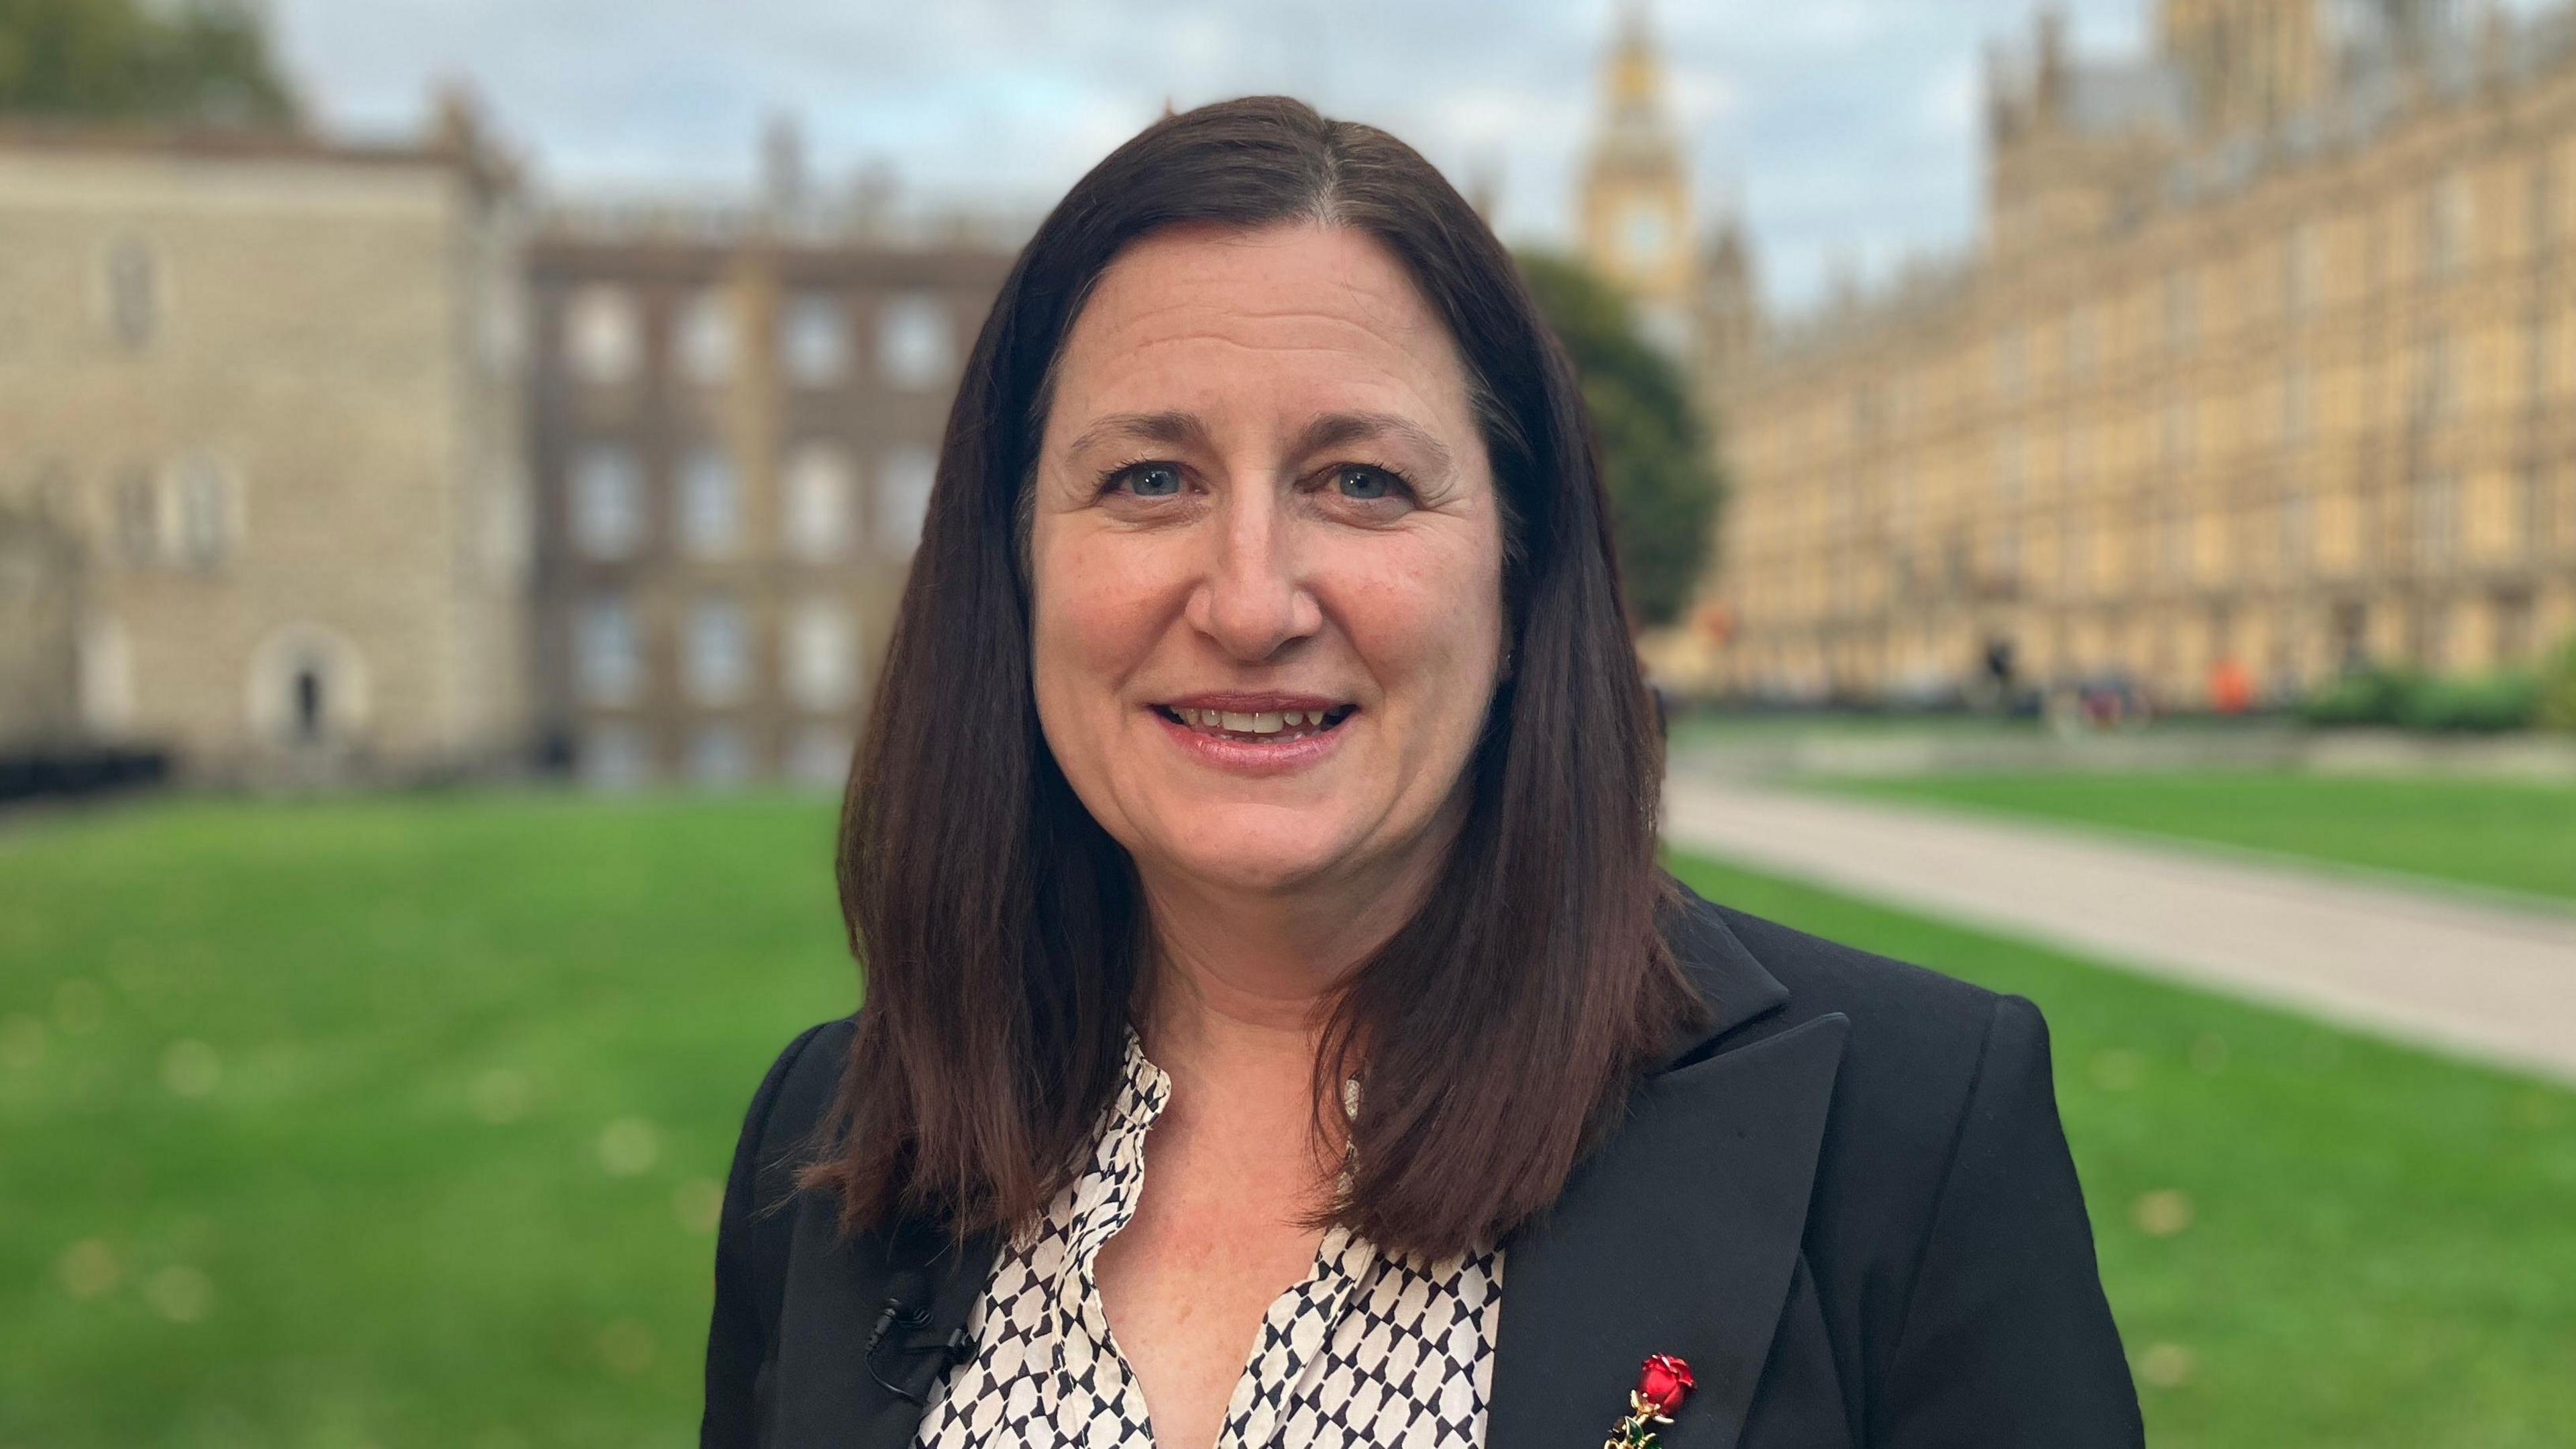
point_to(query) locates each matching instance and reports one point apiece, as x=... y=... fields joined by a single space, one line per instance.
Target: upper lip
x=1230 y=702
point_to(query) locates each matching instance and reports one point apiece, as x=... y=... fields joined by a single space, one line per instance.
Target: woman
x=1278 y=1031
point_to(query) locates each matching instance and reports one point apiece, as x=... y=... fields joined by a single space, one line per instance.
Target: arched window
x=133 y=292
x=603 y=337
x=904 y=479
x=916 y=346
x=207 y=511
x=816 y=516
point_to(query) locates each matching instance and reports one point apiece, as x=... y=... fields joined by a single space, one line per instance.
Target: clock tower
x=1636 y=196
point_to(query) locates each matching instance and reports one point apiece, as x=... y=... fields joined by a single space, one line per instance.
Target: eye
x=1366 y=484
x=1149 y=480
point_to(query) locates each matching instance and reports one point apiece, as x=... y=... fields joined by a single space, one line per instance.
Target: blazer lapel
x=830 y=1395
x=1680 y=1234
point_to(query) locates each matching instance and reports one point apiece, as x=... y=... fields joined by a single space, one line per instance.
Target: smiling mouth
x=1262 y=726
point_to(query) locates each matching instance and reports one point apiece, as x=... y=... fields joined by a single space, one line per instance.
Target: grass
x=394 y=1123
x=2507 y=835
x=397 y=1123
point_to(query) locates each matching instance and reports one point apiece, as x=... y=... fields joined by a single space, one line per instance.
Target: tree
x=200 y=60
x=1656 y=462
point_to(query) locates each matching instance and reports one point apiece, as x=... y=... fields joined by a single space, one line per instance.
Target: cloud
x=1802 y=109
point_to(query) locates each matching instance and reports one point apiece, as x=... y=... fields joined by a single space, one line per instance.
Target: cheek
x=1429 y=626
x=1098 y=612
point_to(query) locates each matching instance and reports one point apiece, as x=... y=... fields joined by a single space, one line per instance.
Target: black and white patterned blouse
x=1368 y=1350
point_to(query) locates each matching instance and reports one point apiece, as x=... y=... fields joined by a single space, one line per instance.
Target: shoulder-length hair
x=1001 y=929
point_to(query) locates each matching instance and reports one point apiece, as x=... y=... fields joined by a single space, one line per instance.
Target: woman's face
x=1267 y=561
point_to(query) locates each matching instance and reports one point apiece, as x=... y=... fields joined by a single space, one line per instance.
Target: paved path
x=2485 y=980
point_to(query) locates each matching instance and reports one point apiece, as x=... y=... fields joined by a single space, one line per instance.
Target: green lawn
x=397 y=1123
x=476 y=1069
x=2508 y=835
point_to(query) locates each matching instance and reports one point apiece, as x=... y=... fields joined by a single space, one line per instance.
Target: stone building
x=736 y=416
x=2264 y=366
x=265 y=387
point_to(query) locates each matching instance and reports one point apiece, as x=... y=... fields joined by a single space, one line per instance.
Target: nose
x=1253 y=600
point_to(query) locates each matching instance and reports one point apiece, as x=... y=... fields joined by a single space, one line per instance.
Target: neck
x=1251 y=977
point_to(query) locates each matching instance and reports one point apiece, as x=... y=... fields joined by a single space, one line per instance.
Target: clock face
x=1642 y=232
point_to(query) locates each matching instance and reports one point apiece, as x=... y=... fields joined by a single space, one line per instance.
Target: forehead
x=1284 y=321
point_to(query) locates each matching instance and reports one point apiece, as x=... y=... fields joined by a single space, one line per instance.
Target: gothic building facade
x=2263 y=367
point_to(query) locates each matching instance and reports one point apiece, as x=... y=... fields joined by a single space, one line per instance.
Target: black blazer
x=1848 y=1206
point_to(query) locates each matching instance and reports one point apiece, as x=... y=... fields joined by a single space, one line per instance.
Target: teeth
x=1268 y=722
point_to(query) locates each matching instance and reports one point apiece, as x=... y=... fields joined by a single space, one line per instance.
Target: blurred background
x=2096 y=484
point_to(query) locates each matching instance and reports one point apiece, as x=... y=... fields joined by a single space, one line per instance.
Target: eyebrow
x=1175 y=428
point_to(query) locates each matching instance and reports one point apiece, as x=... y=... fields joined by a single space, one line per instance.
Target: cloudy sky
x=1844 y=132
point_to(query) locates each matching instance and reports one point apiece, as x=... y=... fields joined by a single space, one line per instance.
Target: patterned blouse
x=1367 y=1350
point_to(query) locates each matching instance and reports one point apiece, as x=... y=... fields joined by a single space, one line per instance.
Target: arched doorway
x=307 y=688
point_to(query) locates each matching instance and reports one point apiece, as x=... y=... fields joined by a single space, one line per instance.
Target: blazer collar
x=1681 y=1232
x=1678 y=1235
x=1734 y=987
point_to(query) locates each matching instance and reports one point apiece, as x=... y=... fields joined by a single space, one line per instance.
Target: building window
x=904 y=479
x=719 y=756
x=2543 y=201
x=821 y=661
x=2297 y=529
x=2083 y=342
x=208 y=505
x=603 y=336
x=706 y=338
x=717 y=661
x=2437 y=512
x=2531 y=483
x=2301 y=268
x=133 y=292
x=2178 y=431
x=2011 y=471
x=613 y=757
x=710 y=503
x=2446 y=225
x=820 y=757
x=2182 y=310
x=2295 y=404
x=814 y=340
x=2512 y=610
x=2174 y=545
x=915 y=344
x=607 y=502
x=2430 y=624
x=2011 y=369
x=138 y=517
x=817 y=512
x=2535 y=357
x=2433 y=387
x=608 y=653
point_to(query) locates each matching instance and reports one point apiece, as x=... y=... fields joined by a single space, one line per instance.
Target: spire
x=1632 y=89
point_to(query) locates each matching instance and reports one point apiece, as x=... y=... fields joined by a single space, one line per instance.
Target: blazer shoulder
x=1918 y=1045
x=799 y=1088
x=1896 y=1008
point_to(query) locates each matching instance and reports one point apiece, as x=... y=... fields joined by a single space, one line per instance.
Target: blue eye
x=1366 y=484
x=1154 y=480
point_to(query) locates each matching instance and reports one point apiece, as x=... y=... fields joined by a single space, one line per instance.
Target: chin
x=1272 y=865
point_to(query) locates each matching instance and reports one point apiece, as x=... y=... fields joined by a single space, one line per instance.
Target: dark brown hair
x=1001 y=928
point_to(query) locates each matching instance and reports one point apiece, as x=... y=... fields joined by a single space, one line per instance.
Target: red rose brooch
x=1662 y=1384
